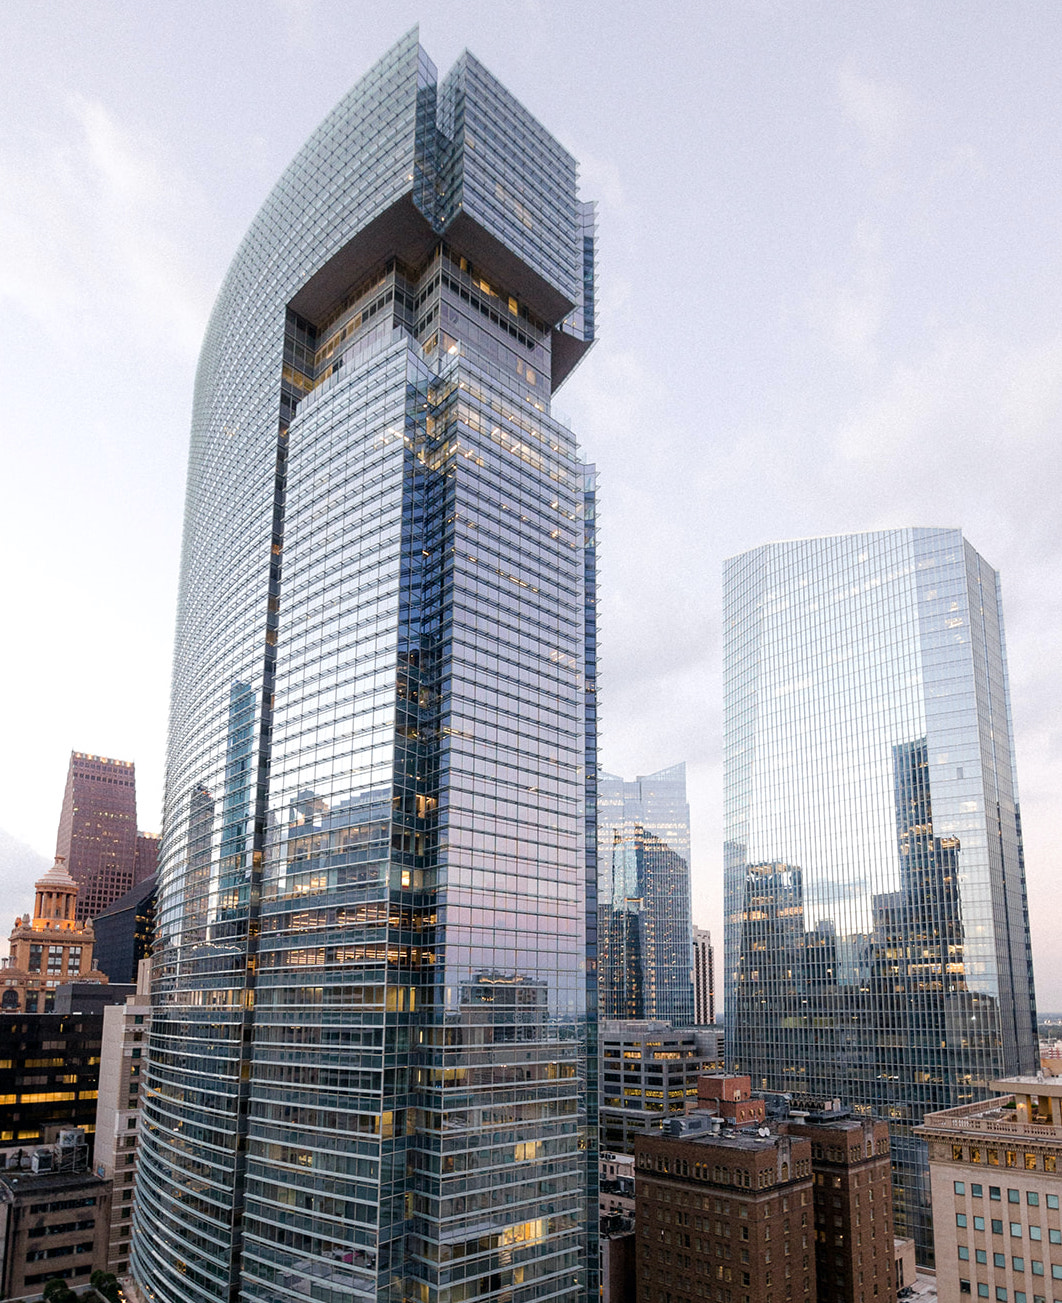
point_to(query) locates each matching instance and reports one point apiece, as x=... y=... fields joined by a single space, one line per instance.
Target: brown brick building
x=854 y=1249
x=724 y=1218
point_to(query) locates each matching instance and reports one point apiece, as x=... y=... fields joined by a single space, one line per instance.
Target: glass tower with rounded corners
x=373 y=987
x=877 y=934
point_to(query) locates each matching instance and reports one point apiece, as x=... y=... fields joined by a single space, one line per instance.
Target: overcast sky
x=830 y=277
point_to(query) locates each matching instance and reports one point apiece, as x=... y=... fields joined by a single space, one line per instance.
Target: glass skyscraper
x=373 y=1053
x=645 y=925
x=877 y=934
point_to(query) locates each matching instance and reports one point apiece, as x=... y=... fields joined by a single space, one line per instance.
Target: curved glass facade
x=877 y=940
x=368 y=1064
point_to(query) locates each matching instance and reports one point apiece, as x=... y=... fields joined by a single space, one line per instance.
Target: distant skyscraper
x=644 y=897
x=97 y=829
x=877 y=940
x=703 y=977
x=146 y=861
x=369 y=1072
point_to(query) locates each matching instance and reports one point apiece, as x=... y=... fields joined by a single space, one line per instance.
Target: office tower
x=97 y=829
x=146 y=859
x=50 y=949
x=125 y=932
x=373 y=925
x=643 y=839
x=49 y=1075
x=703 y=977
x=996 y=1173
x=648 y=1072
x=720 y=1215
x=877 y=943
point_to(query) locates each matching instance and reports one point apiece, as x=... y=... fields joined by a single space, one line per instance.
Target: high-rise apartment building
x=877 y=941
x=643 y=856
x=703 y=977
x=368 y=1072
x=97 y=829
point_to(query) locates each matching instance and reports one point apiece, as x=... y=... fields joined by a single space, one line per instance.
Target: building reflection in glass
x=644 y=898
x=877 y=932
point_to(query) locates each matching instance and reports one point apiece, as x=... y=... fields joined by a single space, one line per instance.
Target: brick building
x=854 y=1245
x=724 y=1218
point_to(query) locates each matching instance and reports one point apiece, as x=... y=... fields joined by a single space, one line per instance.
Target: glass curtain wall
x=369 y=1071
x=877 y=944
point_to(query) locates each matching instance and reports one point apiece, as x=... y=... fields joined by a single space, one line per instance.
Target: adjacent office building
x=644 y=870
x=877 y=940
x=375 y=909
x=703 y=978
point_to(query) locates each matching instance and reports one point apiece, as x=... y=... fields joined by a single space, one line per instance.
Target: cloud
x=94 y=221
x=881 y=111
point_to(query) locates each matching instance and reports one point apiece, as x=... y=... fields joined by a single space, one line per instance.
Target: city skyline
x=874 y=344
x=877 y=929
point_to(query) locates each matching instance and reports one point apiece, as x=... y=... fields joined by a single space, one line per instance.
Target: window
x=979 y=1223
x=999 y=1260
x=1052 y=1200
x=997 y=1226
x=1015 y=1230
x=1054 y=1236
x=1056 y=1272
x=964 y=1253
x=1034 y=1233
x=993 y=1192
x=1001 y=1294
x=982 y=1256
x=964 y=1287
x=1018 y=1264
x=1013 y=1196
x=1037 y=1267
x=975 y=1190
x=960 y=1219
x=960 y=1187
x=1032 y=1199
x=1019 y=1296
x=982 y=1291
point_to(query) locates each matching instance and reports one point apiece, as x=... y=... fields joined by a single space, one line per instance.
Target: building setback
x=877 y=941
x=996 y=1171
x=374 y=977
x=724 y=1218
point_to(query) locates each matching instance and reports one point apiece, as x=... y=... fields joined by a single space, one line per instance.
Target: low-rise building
x=54 y=1217
x=649 y=1071
x=996 y=1178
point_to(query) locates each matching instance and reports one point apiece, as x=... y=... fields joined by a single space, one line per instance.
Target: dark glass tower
x=877 y=934
x=644 y=874
x=371 y=1005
